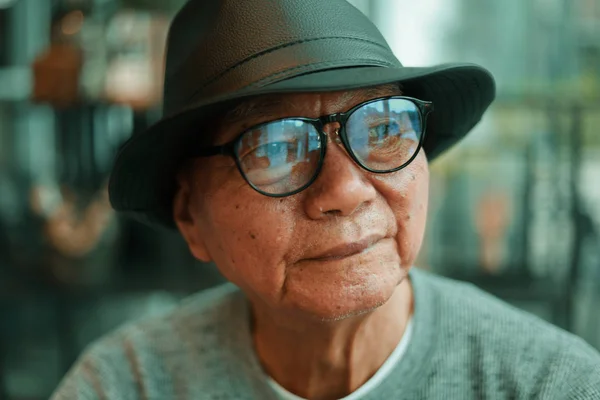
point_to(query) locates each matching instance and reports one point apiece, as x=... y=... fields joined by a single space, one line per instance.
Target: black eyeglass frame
x=228 y=149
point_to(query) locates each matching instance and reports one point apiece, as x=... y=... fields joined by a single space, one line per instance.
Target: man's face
x=277 y=250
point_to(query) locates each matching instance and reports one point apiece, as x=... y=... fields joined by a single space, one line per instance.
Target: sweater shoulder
x=487 y=336
x=486 y=318
x=195 y=320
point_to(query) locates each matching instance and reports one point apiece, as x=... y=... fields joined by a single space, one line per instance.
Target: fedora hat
x=220 y=52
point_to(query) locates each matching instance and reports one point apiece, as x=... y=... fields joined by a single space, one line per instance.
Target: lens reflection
x=284 y=156
x=385 y=134
x=281 y=156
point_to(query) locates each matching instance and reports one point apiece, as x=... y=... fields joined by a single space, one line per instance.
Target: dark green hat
x=222 y=51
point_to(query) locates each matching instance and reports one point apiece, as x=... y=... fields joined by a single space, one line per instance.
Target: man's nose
x=342 y=186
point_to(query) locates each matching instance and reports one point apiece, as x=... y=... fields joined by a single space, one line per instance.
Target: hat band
x=281 y=63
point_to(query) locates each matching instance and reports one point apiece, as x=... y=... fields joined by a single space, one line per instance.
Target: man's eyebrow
x=258 y=108
x=265 y=107
x=383 y=90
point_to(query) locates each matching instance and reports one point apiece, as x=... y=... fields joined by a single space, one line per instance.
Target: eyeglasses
x=283 y=157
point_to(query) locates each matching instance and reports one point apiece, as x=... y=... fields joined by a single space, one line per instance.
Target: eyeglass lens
x=283 y=156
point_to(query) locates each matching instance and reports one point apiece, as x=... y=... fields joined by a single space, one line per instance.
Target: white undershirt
x=369 y=385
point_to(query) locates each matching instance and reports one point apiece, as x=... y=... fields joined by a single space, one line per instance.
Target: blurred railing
x=520 y=214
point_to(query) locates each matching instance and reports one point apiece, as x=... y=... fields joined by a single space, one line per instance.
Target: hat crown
x=217 y=47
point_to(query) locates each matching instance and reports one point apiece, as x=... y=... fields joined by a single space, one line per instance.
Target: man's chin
x=335 y=304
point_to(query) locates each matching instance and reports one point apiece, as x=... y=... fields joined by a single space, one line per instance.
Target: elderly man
x=294 y=155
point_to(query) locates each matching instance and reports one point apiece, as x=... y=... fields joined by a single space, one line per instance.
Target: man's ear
x=185 y=220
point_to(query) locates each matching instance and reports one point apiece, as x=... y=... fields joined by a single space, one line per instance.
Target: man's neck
x=331 y=360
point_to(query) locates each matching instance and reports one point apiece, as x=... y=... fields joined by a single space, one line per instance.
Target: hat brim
x=142 y=182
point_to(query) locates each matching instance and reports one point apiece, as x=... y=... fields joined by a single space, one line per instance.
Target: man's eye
x=274 y=148
x=268 y=149
x=382 y=131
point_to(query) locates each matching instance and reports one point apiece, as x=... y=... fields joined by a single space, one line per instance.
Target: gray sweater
x=466 y=344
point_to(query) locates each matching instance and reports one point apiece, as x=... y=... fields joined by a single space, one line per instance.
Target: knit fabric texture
x=465 y=344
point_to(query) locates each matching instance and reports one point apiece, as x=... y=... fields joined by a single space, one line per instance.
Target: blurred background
x=514 y=209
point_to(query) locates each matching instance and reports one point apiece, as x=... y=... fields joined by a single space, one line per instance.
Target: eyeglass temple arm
x=224 y=150
x=207 y=151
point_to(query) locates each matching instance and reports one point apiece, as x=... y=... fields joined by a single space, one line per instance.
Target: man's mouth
x=347 y=249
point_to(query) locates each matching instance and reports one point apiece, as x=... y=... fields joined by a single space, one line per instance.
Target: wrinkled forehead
x=259 y=109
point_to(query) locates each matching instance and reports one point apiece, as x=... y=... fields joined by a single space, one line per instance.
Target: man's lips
x=346 y=249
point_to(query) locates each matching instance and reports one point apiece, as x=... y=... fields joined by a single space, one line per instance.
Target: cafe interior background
x=515 y=209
